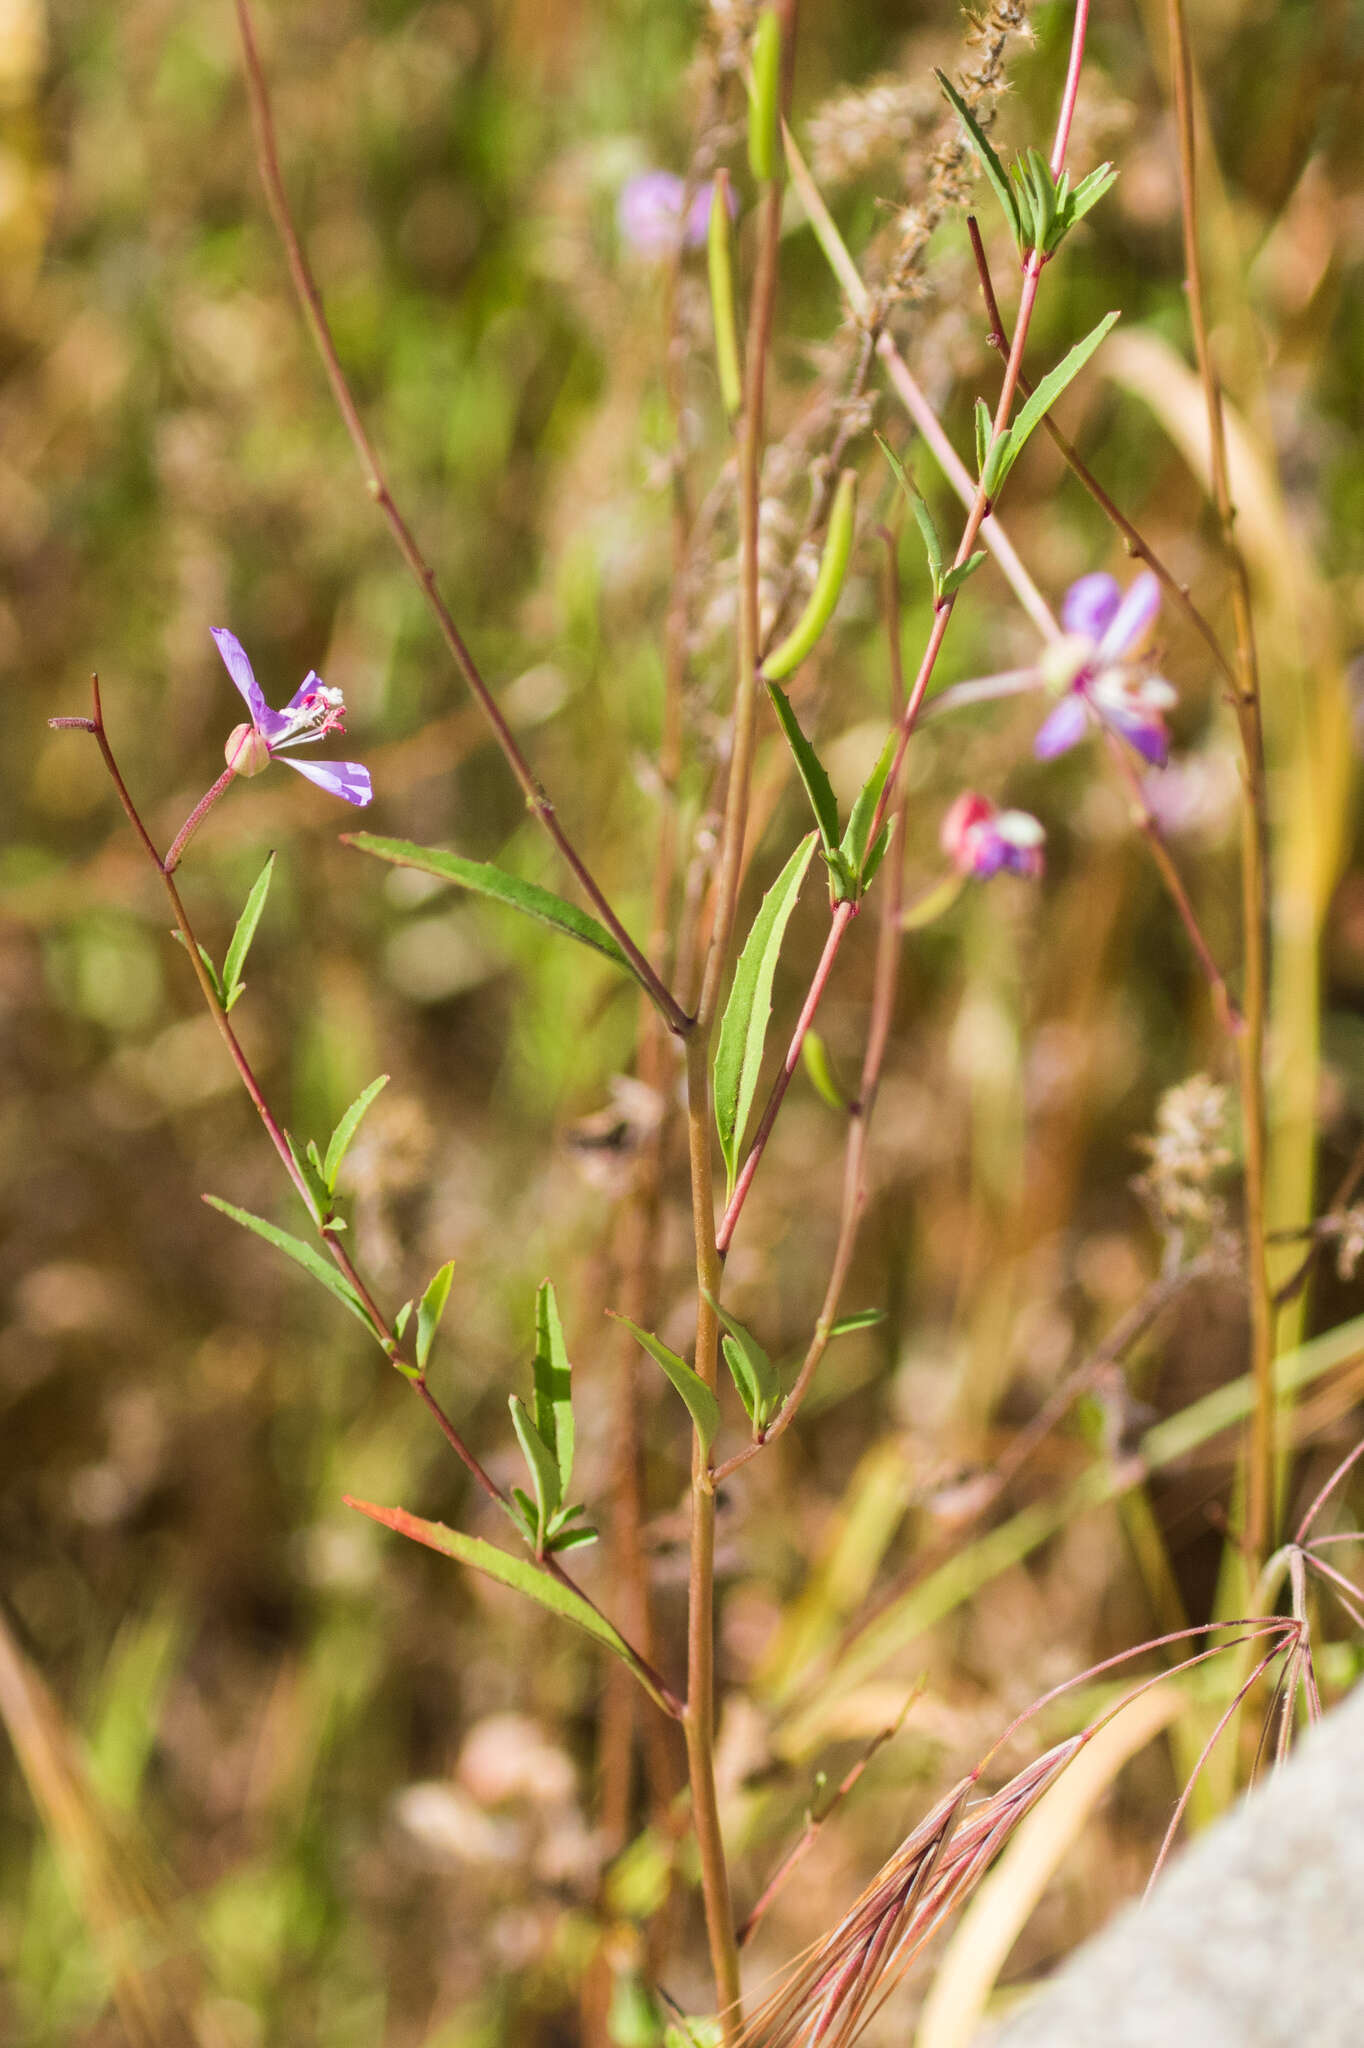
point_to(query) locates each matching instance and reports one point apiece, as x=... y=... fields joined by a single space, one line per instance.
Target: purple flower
x=980 y=839
x=650 y=214
x=312 y=711
x=1097 y=664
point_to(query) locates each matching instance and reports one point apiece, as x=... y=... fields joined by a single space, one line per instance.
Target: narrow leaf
x=743 y=1028
x=572 y=1539
x=875 y=854
x=818 y=787
x=1089 y=192
x=815 y=1056
x=742 y=1378
x=989 y=162
x=861 y=1319
x=954 y=578
x=923 y=517
x=998 y=461
x=345 y=1131
x=522 y=1573
x=244 y=933
x=525 y=1516
x=400 y=1320
x=553 y=1385
x=854 y=846
x=544 y=1472
x=302 y=1254
x=984 y=426
x=752 y=1365
x=312 y=1180
x=486 y=880
x=207 y=959
x=431 y=1309
x=701 y=1403
x=1049 y=390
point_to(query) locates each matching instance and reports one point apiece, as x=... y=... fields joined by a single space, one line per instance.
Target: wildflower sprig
x=1041 y=210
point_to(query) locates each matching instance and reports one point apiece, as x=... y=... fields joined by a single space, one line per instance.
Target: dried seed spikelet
x=1188 y=1151
x=855 y=130
x=945 y=182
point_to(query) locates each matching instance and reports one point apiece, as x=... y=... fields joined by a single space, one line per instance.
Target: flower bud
x=247 y=751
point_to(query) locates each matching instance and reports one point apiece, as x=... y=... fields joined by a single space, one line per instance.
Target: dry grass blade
x=842 y=1980
x=133 y=1927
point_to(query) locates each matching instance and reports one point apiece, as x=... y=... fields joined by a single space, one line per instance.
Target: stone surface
x=1254 y=1937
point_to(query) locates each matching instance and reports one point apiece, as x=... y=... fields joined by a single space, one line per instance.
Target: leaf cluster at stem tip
x=1041 y=210
x=545 y=1434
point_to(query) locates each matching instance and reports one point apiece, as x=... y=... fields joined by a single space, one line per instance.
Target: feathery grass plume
x=842 y=1980
x=1188 y=1151
x=946 y=179
x=861 y=128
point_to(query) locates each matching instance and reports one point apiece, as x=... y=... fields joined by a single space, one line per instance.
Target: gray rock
x=1253 y=1938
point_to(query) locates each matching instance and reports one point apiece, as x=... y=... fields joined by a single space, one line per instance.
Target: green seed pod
x=764 y=95
x=721 y=268
x=828 y=584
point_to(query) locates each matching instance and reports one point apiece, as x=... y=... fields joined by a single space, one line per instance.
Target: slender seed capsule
x=828 y=584
x=764 y=96
x=721 y=267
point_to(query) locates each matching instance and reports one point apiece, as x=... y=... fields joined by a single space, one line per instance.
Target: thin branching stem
x=314 y=313
x=326 y=1230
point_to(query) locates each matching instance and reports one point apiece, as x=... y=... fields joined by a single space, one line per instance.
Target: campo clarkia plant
x=798 y=545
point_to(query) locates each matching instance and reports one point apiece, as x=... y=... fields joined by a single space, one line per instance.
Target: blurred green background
x=339 y=1793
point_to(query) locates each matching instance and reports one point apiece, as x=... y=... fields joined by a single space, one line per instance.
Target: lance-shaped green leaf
x=701 y=1403
x=541 y=1463
x=1089 y=192
x=818 y=787
x=1048 y=391
x=743 y=1028
x=486 y=880
x=751 y=1369
x=522 y=1573
x=553 y=1386
x=814 y=1055
x=820 y=605
x=345 y=1131
x=984 y=430
x=854 y=846
x=308 y=1167
x=954 y=578
x=923 y=517
x=207 y=958
x=989 y=162
x=860 y=1319
x=302 y=1254
x=233 y=985
x=430 y=1310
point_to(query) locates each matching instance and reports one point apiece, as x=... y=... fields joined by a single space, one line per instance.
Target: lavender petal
x=312 y=681
x=346 y=779
x=1063 y=729
x=239 y=668
x=1132 y=620
x=1090 y=605
x=1147 y=735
